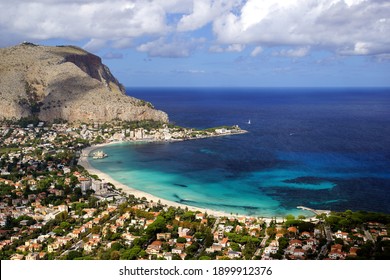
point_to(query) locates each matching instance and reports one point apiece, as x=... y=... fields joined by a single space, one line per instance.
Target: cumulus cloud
x=176 y=48
x=76 y=20
x=350 y=27
x=345 y=27
x=204 y=12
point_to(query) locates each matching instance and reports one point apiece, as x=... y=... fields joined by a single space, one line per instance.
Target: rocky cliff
x=64 y=82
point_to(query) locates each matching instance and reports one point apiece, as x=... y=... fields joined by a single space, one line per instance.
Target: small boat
x=99 y=155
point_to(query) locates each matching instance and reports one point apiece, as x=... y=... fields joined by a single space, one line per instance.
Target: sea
x=322 y=148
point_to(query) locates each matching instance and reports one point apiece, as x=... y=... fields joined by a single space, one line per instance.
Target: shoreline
x=128 y=190
x=84 y=162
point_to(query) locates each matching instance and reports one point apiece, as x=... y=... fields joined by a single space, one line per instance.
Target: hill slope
x=64 y=82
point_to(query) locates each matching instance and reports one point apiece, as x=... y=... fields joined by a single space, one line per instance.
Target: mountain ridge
x=65 y=82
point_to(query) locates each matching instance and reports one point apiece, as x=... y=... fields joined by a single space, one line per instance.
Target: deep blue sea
x=325 y=148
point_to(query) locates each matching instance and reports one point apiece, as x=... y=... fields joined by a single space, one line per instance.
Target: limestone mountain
x=64 y=82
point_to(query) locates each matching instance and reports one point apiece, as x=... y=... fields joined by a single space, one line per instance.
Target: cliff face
x=64 y=82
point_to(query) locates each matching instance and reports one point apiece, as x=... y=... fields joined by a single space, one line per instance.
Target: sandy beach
x=84 y=162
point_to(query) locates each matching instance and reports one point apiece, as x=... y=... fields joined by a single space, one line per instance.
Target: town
x=52 y=208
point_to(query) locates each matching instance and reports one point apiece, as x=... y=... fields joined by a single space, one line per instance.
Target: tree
x=115 y=255
x=159 y=225
x=283 y=244
x=235 y=246
x=131 y=254
x=290 y=217
x=181 y=240
x=271 y=231
x=73 y=255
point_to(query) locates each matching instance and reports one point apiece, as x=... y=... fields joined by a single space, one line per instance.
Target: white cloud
x=204 y=12
x=95 y=44
x=347 y=27
x=229 y=48
x=76 y=20
x=327 y=24
x=176 y=48
x=256 y=51
x=297 y=52
x=235 y=48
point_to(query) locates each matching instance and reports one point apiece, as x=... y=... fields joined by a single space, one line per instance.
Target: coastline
x=84 y=162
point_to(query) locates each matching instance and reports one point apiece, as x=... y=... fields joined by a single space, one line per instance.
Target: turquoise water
x=320 y=148
x=201 y=188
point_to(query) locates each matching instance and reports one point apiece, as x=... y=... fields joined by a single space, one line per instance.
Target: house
x=129 y=238
x=238 y=229
x=336 y=252
x=353 y=251
x=216 y=247
x=254 y=232
x=295 y=243
x=35 y=247
x=279 y=235
x=53 y=247
x=308 y=247
x=270 y=250
x=177 y=251
x=225 y=242
x=341 y=235
x=163 y=236
x=199 y=216
x=234 y=254
x=188 y=238
x=90 y=245
x=219 y=234
x=292 y=230
x=305 y=234
x=183 y=231
x=42 y=255
x=312 y=242
x=32 y=256
x=181 y=246
x=298 y=253
x=148 y=223
x=22 y=248
x=337 y=247
x=17 y=257
x=168 y=256
x=335 y=255
x=75 y=233
x=154 y=248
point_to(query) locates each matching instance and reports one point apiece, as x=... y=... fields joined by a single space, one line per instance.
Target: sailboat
x=249 y=122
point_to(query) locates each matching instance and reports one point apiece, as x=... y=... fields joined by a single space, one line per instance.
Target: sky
x=232 y=43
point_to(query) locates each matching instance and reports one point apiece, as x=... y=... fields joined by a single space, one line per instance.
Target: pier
x=315 y=211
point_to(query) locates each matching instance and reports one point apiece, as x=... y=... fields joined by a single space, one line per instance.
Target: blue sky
x=256 y=43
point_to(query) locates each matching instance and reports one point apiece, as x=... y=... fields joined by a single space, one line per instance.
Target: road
x=329 y=239
x=368 y=235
